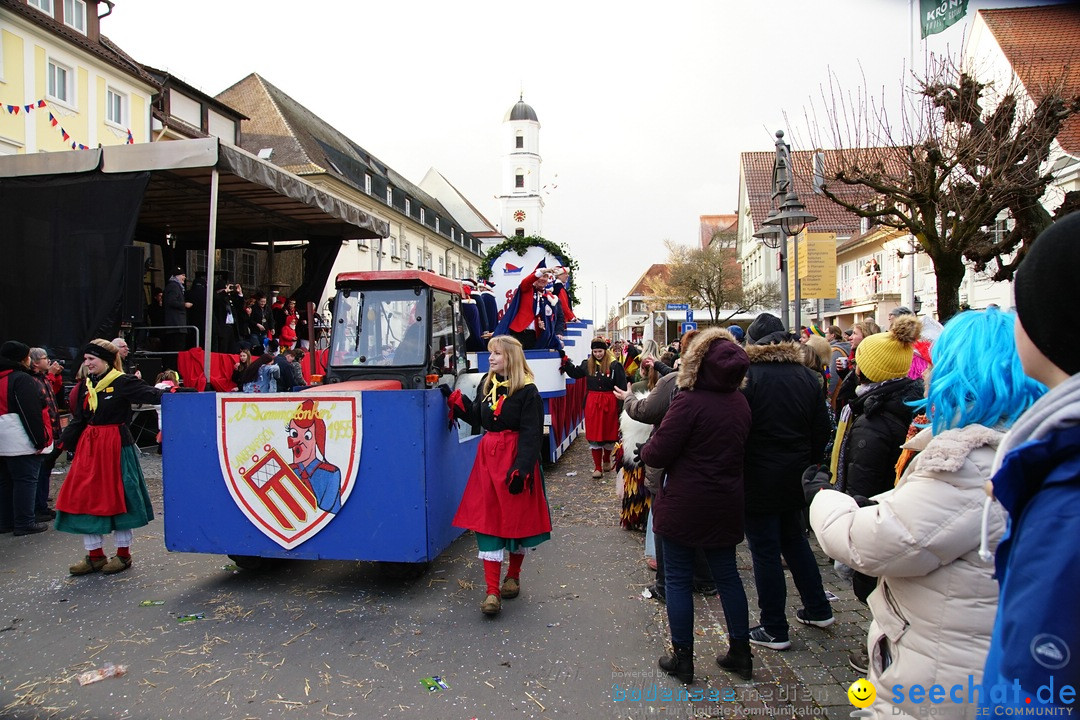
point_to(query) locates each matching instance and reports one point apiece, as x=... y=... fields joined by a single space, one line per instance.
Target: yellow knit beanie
x=888 y=355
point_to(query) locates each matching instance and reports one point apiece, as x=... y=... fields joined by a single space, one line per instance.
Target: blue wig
x=977 y=376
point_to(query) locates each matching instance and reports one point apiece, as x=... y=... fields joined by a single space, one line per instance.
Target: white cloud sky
x=644 y=107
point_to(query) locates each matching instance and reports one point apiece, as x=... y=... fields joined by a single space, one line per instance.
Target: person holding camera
x=228 y=317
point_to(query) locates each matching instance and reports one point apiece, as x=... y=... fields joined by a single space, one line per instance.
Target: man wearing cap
x=1036 y=639
x=176 y=308
x=25 y=436
x=898 y=311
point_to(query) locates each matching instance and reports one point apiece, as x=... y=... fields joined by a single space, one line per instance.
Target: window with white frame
x=408 y=206
x=75 y=14
x=116 y=107
x=61 y=82
x=389 y=195
x=442 y=266
x=436 y=223
x=45 y=6
x=421 y=216
x=393 y=247
x=406 y=253
x=453 y=234
x=427 y=261
x=367 y=184
x=453 y=270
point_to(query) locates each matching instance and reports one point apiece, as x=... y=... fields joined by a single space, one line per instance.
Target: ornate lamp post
x=791 y=218
x=772 y=237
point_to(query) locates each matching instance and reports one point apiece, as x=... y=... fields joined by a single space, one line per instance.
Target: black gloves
x=815 y=479
x=515 y=481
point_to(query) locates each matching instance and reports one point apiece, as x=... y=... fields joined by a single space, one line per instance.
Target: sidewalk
x=808 y=680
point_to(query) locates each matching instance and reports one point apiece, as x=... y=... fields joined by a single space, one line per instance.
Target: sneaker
x=760 y=636
x=510 y=588
x=116 y=564
x=802 y=617
x=858 y=660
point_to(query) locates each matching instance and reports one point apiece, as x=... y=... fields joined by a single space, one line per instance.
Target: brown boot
x=116 y=564
x=87 y=565
x=491 y=605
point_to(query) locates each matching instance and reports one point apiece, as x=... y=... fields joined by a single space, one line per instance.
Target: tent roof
x=257 y=201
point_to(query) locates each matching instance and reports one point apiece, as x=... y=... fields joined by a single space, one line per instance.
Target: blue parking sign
x=688 y=326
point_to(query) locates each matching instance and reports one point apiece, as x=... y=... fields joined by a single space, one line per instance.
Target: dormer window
x=421 y=216
x=45 y=6
x=389 y=195
x=408 y=206
x=367 y=184
x=75 y=14
x=436 y=223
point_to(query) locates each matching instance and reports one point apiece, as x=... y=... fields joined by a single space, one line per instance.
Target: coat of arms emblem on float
x=289 y=461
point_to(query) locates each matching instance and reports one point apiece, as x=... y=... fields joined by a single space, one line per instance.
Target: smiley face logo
x=862 y=693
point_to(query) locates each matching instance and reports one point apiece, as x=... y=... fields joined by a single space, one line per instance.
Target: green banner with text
x=937 y=15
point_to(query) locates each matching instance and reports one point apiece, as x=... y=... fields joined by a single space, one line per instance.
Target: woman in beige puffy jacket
x=936 y=597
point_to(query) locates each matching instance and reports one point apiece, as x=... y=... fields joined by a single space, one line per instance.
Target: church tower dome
x=521 y=204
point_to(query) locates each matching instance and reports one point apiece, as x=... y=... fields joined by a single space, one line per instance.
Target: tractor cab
x=401 y=330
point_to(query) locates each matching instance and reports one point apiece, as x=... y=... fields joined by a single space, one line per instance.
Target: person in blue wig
x=927 y=540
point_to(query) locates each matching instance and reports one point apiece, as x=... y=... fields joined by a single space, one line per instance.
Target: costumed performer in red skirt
x=504 y=501
x=104 y=491
x=603 y=374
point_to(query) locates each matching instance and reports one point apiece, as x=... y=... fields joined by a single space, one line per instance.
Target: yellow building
x=63 y=85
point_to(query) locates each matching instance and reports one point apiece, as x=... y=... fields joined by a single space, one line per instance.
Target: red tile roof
x=660 y=270
x=1041 y=43
x=711 y=225
x=757 y=168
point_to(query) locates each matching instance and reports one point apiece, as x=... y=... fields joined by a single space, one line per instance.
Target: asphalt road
x=323 y=639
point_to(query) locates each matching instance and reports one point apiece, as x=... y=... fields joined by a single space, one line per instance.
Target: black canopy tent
x=66 y=217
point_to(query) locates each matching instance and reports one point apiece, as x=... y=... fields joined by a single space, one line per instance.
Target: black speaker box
x=131 y=305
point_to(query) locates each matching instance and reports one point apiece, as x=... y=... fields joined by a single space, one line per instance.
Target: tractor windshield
x=380 y=327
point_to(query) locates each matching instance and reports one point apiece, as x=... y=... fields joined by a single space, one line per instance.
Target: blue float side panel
x=409 y=461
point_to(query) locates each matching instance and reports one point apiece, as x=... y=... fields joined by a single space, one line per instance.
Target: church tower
x=521 y=205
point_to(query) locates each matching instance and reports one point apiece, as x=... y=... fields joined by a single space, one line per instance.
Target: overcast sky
x=643 y=107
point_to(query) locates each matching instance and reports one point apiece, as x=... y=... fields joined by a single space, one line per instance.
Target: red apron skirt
x=601 y=417
x=488 y=507
x=93 y=485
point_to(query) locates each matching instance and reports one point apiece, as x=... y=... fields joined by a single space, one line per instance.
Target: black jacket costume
x=878 y=427
x=522 y=412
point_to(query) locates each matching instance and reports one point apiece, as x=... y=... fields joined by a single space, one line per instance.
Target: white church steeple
x=521 y=205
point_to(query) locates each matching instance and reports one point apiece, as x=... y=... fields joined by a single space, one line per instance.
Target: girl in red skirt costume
x=104 y=491
x=504 y=502
x=603 y=374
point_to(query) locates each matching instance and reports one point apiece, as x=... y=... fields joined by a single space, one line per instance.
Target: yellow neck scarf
x=92 y=389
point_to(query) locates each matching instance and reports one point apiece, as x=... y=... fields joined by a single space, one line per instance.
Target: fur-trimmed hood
x=948 y=451
x=714 y=362
x=784 y=352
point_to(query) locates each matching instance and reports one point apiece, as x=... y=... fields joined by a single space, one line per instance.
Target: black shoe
x=738 y=660
x=4 y=531
x=679 y=663
x=706 y=590
x=44 y=516
x=32 y=530
x=658 y=594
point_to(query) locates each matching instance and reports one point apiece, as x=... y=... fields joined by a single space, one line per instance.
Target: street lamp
x=791 y=218
x=772 y=237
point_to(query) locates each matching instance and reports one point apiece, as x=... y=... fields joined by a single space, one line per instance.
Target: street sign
x=678 y=306
x=688 y=326
x=659 y=320
x=689 y=316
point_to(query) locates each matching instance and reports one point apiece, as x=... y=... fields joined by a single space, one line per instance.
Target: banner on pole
x=937 y=15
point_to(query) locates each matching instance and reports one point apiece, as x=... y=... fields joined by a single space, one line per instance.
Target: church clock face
x=519 y=216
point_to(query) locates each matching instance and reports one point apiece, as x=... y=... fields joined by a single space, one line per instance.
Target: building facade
x=63 y=85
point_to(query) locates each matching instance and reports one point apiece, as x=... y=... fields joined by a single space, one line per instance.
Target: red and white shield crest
x=289 y=461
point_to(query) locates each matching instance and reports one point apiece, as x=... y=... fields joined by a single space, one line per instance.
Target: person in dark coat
x=700 y=443
x=175 y=313
x=790 y=431
x=25 y=437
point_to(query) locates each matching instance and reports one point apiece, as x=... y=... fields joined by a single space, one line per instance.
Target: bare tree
x=710 y=278
x=963 y=155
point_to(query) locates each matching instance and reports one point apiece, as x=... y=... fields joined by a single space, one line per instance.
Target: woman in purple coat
x=700 y=444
